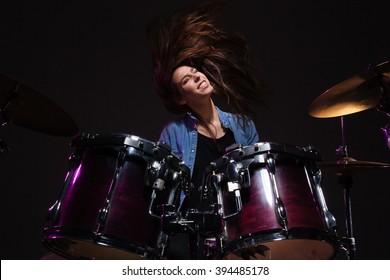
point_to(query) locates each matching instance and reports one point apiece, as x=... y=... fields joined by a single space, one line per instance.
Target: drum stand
x=349 y=241
x=345 y=180
x=198 y=225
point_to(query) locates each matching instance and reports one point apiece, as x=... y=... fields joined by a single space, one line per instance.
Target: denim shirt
x=181 y=134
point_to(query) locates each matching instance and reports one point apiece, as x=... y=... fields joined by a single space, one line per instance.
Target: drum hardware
x=236 y=175
x=159 y=174
x=199 y=225
x=105 y=209
x=162 y=245
x=206 y=223
x=279 y=206
x=345 y=168
x=329 y=219
x=23 y=106
x=214 y=191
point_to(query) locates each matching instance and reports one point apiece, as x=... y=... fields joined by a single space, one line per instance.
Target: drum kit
x=122 y=196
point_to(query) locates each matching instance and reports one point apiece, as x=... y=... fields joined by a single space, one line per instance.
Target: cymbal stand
x=386 y=132
x=382 y=77
x=3 y=118
x=345 y=180
x=3 y=144
x=382 y=73
x=384 y=107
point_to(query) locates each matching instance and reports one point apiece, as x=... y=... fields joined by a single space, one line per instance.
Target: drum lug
x=232 y=187
x=237 y=198
x=330 y=220
x=104 y=210
x=151 y=205
x=150 y=173
x=239 y=172
x=280 y=208
x=245 y=178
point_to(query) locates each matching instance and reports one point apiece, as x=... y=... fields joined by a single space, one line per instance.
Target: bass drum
x=103 y=209
x=272 y=204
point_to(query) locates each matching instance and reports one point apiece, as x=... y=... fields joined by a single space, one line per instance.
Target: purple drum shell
x=126 y=232
x=257 y=227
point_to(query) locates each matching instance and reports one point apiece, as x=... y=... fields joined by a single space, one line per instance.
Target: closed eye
x=184 y=81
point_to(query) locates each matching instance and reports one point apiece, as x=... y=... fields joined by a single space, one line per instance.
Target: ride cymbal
x=356 y=94
x=349 y=165
x=25 y=107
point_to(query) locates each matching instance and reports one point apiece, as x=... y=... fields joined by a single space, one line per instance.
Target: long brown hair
x=191 y=37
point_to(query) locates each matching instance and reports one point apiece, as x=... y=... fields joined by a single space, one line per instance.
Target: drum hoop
x=259 y=238
x=245 y=152
x=88 y=236
x=149 y=150
x=120 y=139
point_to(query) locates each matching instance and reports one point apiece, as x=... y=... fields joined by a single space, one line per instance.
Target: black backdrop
x=91 y=58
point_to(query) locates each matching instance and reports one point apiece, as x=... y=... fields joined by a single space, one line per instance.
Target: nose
x=196 y=77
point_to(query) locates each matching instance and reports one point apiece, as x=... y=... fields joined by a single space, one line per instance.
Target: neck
x=207 y=112
x=209 y=123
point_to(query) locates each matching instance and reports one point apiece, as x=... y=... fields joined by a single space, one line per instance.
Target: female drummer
x=195 y=65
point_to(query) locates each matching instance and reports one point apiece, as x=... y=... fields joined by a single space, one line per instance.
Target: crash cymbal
x=356 y=94
x=349 y=165
x=25 y=107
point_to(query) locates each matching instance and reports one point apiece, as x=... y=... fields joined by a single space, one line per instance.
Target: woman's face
x=192 y=84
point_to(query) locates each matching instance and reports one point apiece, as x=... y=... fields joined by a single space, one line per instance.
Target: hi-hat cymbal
x=25 y=107
x=349 y=165
x=356 y=94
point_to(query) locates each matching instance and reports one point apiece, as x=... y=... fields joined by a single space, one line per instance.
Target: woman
x=194 y=61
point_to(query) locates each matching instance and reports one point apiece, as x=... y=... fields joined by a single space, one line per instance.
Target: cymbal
x=358 y=93
x=23 y=106
x=349 y=165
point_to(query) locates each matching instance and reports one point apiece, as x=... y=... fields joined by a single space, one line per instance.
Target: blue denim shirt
x=181 y=134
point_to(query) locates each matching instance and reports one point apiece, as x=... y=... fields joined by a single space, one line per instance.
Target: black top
x=207 y=150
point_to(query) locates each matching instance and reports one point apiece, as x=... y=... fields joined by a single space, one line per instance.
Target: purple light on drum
x=67 y=176
x=266 y=183
x=386 y=132
x=76 y=174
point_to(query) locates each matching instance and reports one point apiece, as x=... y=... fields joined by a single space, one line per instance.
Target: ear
x=180 y=100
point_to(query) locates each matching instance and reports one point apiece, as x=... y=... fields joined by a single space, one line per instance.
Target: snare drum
x=104 y=209
x=272 y=203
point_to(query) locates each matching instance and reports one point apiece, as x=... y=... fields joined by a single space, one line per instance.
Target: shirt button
x=192 y=150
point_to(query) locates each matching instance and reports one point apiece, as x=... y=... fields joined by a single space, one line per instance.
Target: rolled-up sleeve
x=253 y=135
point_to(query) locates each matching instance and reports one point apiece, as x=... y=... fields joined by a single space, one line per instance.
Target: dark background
x=91 y=58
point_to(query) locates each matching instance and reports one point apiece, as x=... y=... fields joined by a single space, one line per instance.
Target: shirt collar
x=223 y=117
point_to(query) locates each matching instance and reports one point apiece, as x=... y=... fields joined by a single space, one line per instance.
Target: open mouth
x=203 y=84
